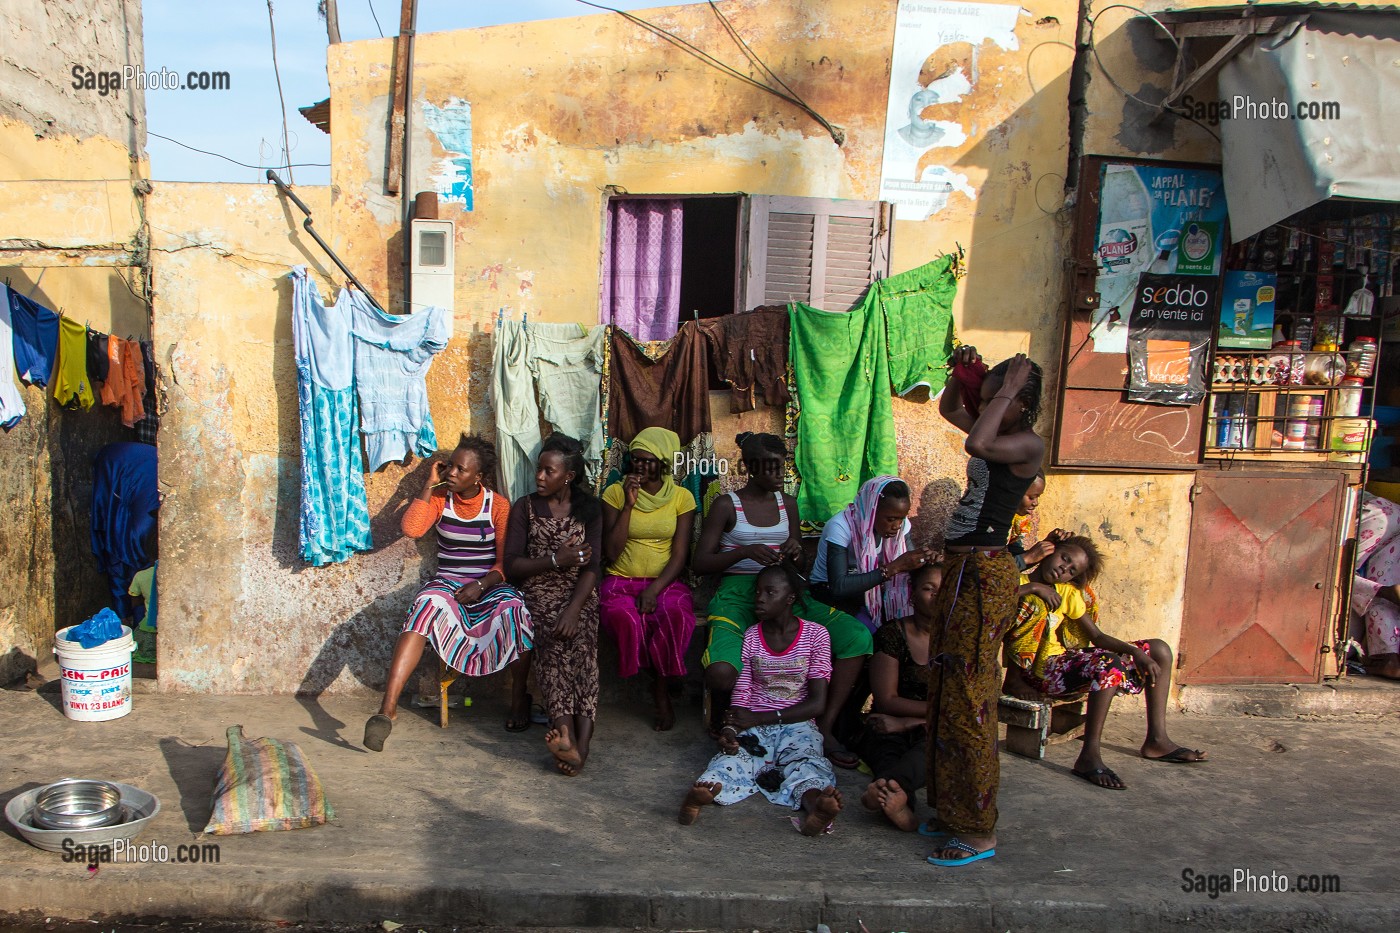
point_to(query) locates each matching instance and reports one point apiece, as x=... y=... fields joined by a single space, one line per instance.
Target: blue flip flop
x=927 y=833
x=957 y=844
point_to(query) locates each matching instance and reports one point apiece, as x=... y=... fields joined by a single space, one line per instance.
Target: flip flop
x=377 y=729
x=1097 y=772
x=959 y=846
x=1177 y=756
x=843 y=757
x=927 y=833
x=516 y=725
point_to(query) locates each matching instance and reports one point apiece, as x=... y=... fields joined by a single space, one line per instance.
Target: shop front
x=1231 y=320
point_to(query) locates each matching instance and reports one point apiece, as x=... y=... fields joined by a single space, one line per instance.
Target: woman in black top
x=978 y=598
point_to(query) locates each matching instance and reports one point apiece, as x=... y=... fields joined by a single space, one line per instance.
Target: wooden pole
x=332 y=21
x=398 y=120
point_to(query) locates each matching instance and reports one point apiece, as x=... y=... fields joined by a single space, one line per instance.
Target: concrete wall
x=71 y=219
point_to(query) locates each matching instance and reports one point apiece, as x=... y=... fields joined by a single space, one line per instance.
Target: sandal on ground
x=377 y=729
x=841 y=756
x=927 y=833
x=957 y=845
x=1093 y=778
x=1181 y=755
x=520 y=725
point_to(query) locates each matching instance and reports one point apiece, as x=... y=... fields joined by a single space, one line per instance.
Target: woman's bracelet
x=728 y=729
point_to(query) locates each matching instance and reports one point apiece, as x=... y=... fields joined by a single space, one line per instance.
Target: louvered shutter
x=818 y=251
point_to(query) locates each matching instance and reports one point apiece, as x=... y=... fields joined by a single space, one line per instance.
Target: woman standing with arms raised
x=978 y=599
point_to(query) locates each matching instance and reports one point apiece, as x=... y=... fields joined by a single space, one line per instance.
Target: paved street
x=470 y=827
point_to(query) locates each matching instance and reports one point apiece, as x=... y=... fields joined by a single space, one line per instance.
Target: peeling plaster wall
x=70 y=221
x=240 y=613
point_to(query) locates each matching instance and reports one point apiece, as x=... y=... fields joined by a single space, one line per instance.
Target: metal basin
x=139 y=806
x=77 y=804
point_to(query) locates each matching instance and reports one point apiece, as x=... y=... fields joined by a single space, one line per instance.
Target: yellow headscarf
x=663 y=445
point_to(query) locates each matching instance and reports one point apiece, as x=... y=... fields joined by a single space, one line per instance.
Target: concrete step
x=1358 y=697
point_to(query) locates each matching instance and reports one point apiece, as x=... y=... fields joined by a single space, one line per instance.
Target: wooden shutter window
x=818 y=251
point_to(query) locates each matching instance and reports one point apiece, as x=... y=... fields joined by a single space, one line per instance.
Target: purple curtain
x=642 y=267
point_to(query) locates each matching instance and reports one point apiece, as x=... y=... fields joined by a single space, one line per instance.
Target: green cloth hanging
x=845 y=434
x=918 y=311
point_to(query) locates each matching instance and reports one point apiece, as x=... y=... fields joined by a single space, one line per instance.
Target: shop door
x=1259 y=576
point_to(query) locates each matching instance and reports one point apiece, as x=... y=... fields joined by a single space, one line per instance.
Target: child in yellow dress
x=1057 y=649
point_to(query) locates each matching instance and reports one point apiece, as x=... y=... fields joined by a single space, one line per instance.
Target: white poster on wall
x=935 y=66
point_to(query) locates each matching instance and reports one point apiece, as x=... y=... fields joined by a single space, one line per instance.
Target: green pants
x=731 y=615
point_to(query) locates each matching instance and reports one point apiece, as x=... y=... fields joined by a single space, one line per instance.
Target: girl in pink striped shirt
x=770 y=742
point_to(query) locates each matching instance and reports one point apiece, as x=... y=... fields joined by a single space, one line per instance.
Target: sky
x=244 y=122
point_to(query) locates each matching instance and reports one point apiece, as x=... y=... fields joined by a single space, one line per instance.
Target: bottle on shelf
x=1349 y=397
x=1361 y=357
x=1325 y=366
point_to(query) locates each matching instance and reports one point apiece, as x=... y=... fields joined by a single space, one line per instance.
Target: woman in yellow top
x=1049 y=648
x=647 y=520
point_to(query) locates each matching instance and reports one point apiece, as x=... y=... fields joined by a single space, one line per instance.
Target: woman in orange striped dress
x=475 y=622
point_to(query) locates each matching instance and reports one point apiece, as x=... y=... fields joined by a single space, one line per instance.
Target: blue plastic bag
x=98 y=630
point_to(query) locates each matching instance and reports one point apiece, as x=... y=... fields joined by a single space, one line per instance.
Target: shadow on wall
x=936 y=503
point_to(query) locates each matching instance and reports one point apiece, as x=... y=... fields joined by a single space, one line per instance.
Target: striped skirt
x=478 y=639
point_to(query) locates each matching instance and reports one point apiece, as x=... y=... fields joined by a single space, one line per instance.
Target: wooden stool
x=446 y=676
x=1033 y=725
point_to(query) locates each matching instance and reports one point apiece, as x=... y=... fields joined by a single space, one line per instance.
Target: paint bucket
x=96 y=682
x=1349 y=434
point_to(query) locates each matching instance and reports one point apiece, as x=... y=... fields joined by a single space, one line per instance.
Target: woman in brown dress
x=553 y=547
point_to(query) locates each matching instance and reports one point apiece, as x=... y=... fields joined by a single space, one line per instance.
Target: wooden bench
x=1034 y=725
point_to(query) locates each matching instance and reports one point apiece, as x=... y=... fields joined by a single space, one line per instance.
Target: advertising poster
x=1169 y=338
x=1247 y=310
x=1152 y=219
x=940 y=51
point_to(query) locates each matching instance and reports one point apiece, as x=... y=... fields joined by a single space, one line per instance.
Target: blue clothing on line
x=124 y=501
x=334 y=506
x=35 y=338
x=392 y=356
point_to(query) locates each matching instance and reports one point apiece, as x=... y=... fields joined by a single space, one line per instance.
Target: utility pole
x=332 y=17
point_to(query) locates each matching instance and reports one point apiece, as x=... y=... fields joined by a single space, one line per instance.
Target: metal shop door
x=1259 y=576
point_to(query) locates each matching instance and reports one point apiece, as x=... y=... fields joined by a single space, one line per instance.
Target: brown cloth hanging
x=669 y=392
x=750 y=352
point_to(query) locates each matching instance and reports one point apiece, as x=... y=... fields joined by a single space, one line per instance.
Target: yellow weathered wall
x=239 y=612
x=71 y=171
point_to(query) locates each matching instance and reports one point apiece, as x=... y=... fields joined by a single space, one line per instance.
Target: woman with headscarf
x=643 y=602
x=862 y=568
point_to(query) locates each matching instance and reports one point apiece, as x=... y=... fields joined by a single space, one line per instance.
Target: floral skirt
x=1092 y=668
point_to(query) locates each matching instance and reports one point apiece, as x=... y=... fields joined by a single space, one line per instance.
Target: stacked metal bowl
x=76 y=804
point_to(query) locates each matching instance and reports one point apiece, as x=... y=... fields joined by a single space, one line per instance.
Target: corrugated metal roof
x=1196 y=14
x=318 y=114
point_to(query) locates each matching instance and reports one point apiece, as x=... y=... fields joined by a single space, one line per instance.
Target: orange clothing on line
x=114 y=389
x=420 y=517
x=134 y=370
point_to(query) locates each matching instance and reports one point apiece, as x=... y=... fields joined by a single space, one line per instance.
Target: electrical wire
x=376 y=19
x=1180 y=52
x=286 y=143
x=235 y=161
x=836 y=133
